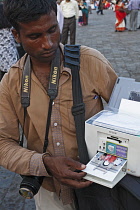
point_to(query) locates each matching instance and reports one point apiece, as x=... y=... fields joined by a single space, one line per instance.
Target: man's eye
x=52 y=30
x=34 y=37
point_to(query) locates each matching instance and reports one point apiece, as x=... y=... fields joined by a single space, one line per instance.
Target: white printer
x=114 y=134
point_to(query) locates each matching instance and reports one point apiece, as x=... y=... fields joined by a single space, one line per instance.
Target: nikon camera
x=30 y=186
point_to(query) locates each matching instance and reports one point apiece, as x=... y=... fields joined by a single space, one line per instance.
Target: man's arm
x=61 y=6
x=60 y=18
x=76 y=9
x=12 y=156
x=129 y=5
x=97 y=69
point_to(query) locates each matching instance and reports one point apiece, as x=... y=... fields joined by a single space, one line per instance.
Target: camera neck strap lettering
x=52 y=91
x=26 y=83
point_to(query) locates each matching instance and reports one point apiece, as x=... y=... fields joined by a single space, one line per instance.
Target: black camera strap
x=26 y=84
x=25 y=92
x=52 y=91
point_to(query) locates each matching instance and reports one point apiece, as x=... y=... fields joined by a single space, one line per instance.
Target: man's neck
x=38 y=66
x=42 y=72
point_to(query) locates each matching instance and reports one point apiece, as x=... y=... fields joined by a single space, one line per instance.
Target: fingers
x=75 y=183
x=73 y=175
x=75 y=164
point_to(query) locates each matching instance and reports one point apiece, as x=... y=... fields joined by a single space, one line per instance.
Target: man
x=89 y=6
x=70 y=12
x=100 y=7
x=133 y=6
x=35 y=26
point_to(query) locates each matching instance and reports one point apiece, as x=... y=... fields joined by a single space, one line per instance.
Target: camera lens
x=30 y=186
x=26 y=193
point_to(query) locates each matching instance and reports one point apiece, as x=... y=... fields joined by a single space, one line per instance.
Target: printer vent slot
x=114 y=138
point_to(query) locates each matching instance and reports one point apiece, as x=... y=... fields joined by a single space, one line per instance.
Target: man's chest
x=68 y=7
x=43 y=77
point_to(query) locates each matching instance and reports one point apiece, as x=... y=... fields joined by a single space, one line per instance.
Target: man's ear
x=16 y=35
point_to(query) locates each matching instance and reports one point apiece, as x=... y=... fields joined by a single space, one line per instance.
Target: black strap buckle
x=25 y=101
x=71 y=55
x=78 y=109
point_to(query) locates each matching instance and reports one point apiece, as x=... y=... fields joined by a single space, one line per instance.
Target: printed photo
x=105 y=166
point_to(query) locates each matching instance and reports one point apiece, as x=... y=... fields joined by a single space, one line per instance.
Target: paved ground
x=121 y=49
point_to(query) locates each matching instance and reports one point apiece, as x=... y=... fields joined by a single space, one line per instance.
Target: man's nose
x=47 y=42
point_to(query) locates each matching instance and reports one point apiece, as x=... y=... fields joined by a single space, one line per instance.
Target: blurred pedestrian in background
x=107 y=5
x=80 y=18
x=70 y=12
x=85 y=13
x=60 y=17
x=120 y=15
x=8 y=50
x=100 y=7
x=89 y=6
x=133 y=6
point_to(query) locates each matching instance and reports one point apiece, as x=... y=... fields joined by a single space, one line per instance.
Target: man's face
x=40 y=38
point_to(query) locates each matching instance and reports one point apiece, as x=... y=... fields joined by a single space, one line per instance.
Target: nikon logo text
x=54 y=75
x=26 y=84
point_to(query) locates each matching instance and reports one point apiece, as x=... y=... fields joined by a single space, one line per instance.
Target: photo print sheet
x=105 y=166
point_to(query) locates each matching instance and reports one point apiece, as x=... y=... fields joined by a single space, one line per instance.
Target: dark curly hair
x=3 y=20
x=23 y=11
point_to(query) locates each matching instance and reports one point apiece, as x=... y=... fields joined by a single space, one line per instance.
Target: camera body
x=30 y=186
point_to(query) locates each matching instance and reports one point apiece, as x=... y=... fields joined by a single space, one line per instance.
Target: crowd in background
x=68 y=13
x=121 y=8
x=124 y=8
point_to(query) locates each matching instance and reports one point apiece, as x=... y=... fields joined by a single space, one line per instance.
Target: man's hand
x=63 y=168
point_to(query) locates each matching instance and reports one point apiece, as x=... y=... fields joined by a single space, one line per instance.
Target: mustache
x=48 y=51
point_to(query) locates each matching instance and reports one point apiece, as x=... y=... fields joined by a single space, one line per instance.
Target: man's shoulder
x=88 y=50
x=62 y=2
x=92 y=53
x=16 y=68
x=75 y=2
x=11 y=81
x=20 y=63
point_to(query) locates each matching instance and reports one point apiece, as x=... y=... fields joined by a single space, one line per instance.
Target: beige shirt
x=97 y=79
x=70 y=9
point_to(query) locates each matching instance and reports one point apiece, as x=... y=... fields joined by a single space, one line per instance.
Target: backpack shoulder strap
x=72 y=61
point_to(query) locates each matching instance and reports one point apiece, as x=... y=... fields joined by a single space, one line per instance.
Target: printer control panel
x=113 y=145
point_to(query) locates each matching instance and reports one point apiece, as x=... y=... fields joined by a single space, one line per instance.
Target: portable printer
x=112 y=132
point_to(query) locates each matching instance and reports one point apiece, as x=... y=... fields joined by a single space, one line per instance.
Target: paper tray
x=117 y=121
